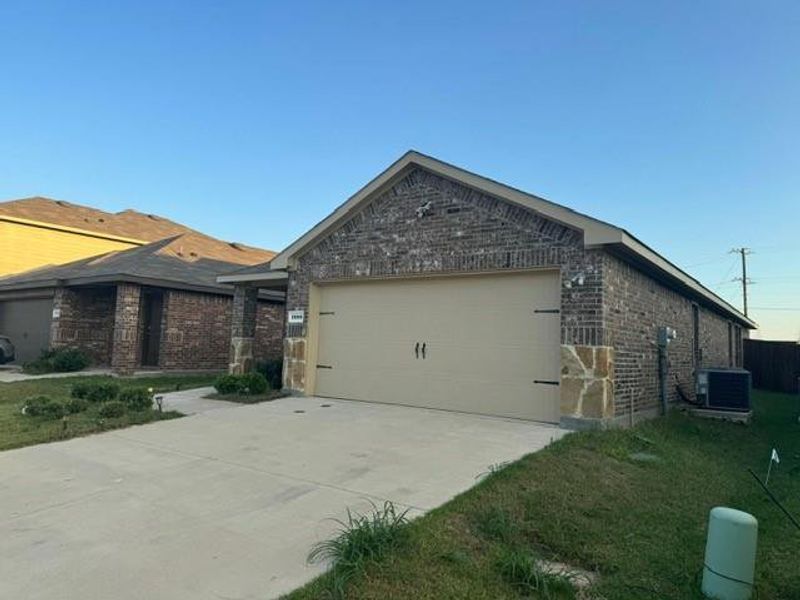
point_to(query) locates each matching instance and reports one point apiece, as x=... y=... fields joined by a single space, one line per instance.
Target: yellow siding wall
x=24 y=247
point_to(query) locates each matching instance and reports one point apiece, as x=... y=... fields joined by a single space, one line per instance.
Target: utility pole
x=744 y=252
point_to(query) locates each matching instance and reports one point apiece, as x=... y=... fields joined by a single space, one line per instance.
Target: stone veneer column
x=587 y=386
x=243 y=329
x=294 y=364
x=126 y=345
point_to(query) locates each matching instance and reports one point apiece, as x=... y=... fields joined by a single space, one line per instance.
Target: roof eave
x=266 y=276
x=219 y=290
x=683 y=279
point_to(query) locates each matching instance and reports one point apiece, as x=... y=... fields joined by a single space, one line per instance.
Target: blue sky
x=252 y=120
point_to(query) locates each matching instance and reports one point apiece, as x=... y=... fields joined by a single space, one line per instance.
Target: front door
x=152 y=309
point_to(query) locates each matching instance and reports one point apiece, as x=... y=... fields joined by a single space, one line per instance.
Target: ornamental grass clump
x=362 y=540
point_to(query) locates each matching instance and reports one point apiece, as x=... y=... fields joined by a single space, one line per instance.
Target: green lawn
x=584 y=501
x=18 y=430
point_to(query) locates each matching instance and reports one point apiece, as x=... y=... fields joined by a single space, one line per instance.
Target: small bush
x=249 y=384
x=102 y=391
x=43 y=406
x=273 y=371
x=136 y=399
x=112 y=410
x=523 y=572
x=58 y=360
x=66 y=360
x=253 y=384
x=76 y=405
x=227 y=384
x=362 y=540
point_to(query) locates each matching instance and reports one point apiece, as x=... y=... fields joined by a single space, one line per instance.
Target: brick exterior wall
x=268 y=339
x=85 y=321
x=426 y=224
x=127 y=337
x=635 y=306
x=196 y=329
x=106 y=322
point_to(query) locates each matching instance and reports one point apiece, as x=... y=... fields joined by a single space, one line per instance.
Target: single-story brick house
x=436 y=287
x=152 y=306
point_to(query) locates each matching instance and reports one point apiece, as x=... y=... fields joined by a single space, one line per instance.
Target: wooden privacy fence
x=774 y=365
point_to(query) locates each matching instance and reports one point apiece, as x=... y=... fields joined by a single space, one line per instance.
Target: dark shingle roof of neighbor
x=190 y=261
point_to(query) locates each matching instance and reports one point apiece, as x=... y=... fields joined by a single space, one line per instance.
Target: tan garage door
x=27 y=323
x=485 y=344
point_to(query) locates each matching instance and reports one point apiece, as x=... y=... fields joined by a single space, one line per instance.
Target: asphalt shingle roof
x=127 y=223
x=191 y=259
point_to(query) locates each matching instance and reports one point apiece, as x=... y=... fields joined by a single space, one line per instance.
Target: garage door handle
x=416 y=350
x=423 y=350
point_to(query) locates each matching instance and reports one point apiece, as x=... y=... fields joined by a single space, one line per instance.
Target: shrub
x=76 y=405
x=102 y=391
x=43 y=406
x=112 y=409
x=59 y=360
x=253 y=384
x=362 y=540
x=136 y=399
x=249 y=384
x=66 y=360
x=273 y=371
x=227 y=384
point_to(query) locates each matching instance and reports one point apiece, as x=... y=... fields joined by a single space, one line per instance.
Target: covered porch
x=250 y=284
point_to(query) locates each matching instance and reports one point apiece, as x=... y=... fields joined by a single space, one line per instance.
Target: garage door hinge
x=546 y=382
x=324 y=367
x=327 y=312
x=552 y=311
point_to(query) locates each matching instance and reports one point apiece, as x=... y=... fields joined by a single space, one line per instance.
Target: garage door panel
x=506 y=360
x=497 y=397
x=485 y=343
x=27 y=323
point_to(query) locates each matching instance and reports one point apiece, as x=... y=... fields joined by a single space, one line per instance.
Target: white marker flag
x=773 y=458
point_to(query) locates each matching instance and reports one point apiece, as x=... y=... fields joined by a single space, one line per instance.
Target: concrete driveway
x=227 y=503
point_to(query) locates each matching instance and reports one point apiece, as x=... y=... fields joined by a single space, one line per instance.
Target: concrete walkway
x=192 y=402
x=227 y=503
x=13 y=373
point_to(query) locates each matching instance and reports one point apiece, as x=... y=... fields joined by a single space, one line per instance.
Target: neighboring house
x=35 y=232
x=436 y=287
x=156 y=305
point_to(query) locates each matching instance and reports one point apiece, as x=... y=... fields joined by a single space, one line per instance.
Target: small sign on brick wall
x=296 y=317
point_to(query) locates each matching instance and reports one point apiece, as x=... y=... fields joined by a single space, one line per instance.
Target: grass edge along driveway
x=17 y=430
x=584 y=500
